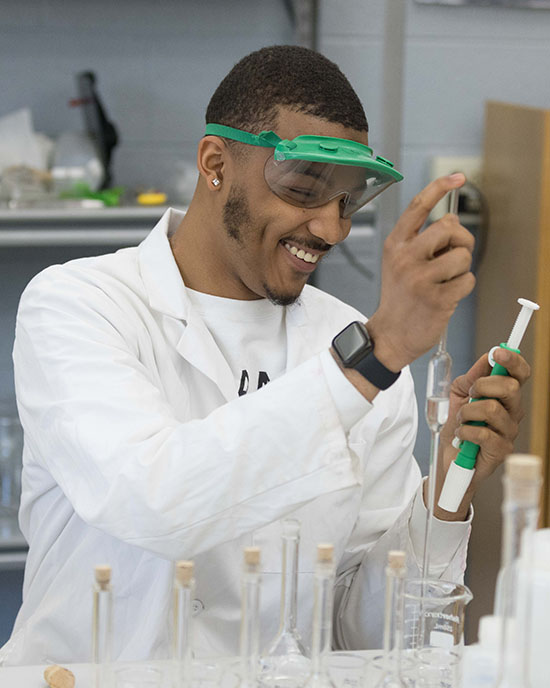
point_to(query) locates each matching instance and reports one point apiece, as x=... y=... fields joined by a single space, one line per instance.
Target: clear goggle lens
x=309 y=184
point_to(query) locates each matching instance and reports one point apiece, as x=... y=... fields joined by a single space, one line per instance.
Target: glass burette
x=437 y=411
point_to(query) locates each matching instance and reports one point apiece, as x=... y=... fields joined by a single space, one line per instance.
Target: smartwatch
x=355 y=349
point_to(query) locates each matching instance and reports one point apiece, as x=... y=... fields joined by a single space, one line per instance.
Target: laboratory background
x=446 y=86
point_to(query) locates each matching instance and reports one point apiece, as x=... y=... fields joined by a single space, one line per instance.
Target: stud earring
x=216 y=182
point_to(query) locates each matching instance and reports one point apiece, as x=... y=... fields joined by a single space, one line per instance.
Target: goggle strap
x=266 y=139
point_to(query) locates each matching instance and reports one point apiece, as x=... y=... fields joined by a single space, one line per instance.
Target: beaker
x=11 y=448
x=434 y=630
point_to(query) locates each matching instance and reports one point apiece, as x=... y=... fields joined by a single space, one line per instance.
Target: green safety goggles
x=309 y=171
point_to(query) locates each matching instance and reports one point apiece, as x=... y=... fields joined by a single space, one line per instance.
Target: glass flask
x=102 y=626
x=433 y=630
x=182 y=653
x=392 y=676
x=284 y=662
x=323 y=600
x=250 y=618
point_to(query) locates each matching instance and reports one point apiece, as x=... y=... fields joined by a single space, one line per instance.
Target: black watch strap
x=376 y=372
x=354 y=346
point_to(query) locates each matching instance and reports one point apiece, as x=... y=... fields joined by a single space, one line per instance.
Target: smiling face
x=264 y=247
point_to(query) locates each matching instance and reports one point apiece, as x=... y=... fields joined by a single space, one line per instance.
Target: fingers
x=493 y=446
x=416 y=214
x=507 y=389
x=453 y=290
x=449 y=265
x=461 y=385
x=514 y=363
x=492 y=412
x=446 y=233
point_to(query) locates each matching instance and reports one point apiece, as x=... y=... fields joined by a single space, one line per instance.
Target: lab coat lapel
x=167 y=294
x=198 y=347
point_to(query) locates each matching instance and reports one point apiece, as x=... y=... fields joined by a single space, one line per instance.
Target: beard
x=237 y=222
x=236 y=214
x=278 y=298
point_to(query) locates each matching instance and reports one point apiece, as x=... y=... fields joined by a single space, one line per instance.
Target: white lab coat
x=138 y=452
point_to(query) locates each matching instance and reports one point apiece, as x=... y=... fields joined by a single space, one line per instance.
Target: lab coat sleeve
x=391 y=472
x=99 y=423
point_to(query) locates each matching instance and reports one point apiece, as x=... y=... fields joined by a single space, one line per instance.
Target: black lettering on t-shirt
x=243 y=387
x=263 y=379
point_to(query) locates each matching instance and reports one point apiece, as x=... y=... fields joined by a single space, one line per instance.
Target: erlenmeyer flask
x=284 y=661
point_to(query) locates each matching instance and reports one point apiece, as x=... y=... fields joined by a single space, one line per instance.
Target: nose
x=327 y=224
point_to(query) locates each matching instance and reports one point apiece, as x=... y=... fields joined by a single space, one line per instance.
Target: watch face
x=352 y=343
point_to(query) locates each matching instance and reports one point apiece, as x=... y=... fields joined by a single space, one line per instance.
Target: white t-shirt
x=250 y=334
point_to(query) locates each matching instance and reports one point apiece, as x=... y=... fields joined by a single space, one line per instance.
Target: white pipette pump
x=462 y=469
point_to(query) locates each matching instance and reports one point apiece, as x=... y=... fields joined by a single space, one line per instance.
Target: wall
x=157 y=65
x=455 y=58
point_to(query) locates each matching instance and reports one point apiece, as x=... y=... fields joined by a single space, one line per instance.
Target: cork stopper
x=184 y=572
x=252 y=556
x=102 y=574
x=58 y=677
x=325 y=553
x=396 y=559
x=523 y=467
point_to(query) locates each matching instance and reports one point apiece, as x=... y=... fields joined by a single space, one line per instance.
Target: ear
x=213 y=161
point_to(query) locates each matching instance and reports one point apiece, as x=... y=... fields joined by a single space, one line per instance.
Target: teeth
x=300 y=253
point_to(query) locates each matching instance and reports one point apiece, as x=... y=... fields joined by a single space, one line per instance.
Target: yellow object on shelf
x=152 y=198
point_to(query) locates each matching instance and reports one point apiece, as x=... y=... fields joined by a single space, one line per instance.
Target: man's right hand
x=424 y=276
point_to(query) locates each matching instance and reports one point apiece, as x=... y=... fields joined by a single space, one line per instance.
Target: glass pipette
x=437 y=411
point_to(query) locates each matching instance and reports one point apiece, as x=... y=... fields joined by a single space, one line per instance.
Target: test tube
x=102 y=625
x=250 y=618
x=182 y=652
x=321 y=640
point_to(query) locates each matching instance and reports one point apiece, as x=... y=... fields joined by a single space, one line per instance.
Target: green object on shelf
x=110 y=197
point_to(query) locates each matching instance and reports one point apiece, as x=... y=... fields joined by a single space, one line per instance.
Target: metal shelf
x=72 y=237
x=121 y=226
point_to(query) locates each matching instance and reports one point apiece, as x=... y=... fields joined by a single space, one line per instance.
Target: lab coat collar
x=159 y=270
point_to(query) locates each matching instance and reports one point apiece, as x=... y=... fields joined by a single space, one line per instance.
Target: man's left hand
x=501 y=409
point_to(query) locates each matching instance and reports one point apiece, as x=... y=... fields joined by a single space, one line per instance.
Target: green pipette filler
x=462 y=469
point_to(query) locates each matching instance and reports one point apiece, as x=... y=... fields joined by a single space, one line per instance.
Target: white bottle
x=480 y=662
x=534 y=606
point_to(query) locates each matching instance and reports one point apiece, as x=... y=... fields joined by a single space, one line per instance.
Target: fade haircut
x=284 y=75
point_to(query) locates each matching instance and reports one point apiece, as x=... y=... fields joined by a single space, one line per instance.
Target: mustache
x=309 y=243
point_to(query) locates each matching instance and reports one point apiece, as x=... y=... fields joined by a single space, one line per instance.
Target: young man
x=136 y=374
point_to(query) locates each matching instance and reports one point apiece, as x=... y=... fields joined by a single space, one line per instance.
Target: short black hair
x=249 y=96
